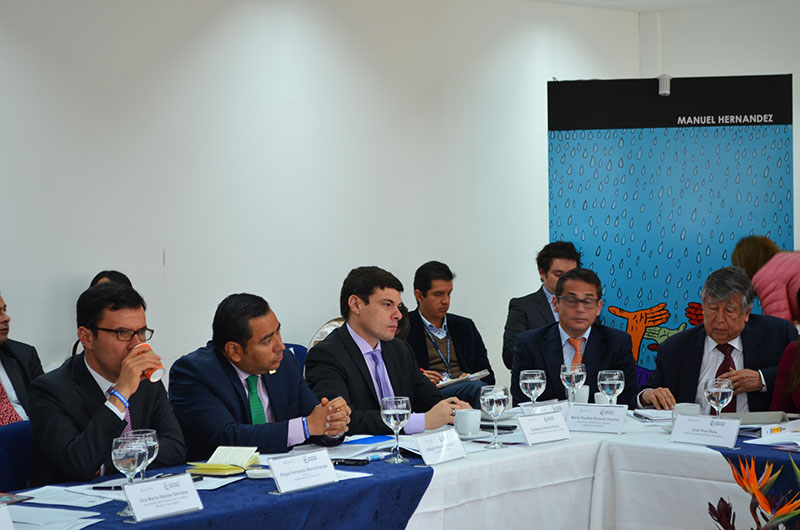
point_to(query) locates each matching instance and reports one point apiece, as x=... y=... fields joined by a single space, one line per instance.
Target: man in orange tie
x=575 y=339
x=19 y=366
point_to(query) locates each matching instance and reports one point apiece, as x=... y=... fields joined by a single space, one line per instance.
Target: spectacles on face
x=572 y=301
x=126 y=335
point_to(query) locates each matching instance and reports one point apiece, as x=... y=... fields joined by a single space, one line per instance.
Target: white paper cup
x=601 y=399
x=468 y=421
x=581 y=395
x=685 y=409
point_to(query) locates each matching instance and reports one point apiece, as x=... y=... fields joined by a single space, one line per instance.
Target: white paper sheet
x=75 y=524
x=63 y=497
x=40 y=515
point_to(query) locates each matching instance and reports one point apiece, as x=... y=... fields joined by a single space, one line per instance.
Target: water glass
x=494 y=401
x=611 y=383
x=150 y=439
x=129 y=456
x=395 y=413
x=718 y=392
x=532 y=383
x=572 y=377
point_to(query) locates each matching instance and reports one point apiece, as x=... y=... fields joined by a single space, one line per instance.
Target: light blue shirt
x=566 y=347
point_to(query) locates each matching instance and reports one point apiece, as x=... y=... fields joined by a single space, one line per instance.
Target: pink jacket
x=776 y=285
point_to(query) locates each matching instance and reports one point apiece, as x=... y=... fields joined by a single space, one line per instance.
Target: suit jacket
x=213 y=409
x=606 y=349
x=528 y=312
x=22 y=365
x=336 y=367
x=73 y=429
x=467 y=343
x=763 y=340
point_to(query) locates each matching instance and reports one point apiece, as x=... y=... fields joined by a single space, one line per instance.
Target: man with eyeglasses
x=575 y=339
x=78 y=409
x=731 y=344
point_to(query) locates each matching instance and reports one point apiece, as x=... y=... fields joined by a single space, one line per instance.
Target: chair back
x=299 y=354
x=15 y=456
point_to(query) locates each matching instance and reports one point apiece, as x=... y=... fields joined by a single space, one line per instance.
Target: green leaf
x=796 y=471
x=774 y=523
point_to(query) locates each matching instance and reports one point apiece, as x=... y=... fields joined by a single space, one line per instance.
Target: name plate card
x=440 y=447
x=596 y=418
x=162 y=498
x=292 y=473
x=546 y=427
x=705 y=430
x=531 y=409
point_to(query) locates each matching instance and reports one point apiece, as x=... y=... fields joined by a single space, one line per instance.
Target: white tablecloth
x=636 y=480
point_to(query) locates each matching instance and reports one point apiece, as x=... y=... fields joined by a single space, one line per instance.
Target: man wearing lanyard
x=446 y=346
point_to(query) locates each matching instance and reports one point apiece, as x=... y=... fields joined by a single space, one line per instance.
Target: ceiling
x=651 y=5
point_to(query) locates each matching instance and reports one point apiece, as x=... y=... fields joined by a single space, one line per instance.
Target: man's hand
x=330 y=417
x=744 y=381
x=131 y=373
x=442 y=413
x=660 y=398
x=434 y=376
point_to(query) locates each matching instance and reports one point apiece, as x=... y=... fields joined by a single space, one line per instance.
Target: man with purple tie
x=363 y=362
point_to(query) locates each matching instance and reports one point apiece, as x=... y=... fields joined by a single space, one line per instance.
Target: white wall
x=208 y=147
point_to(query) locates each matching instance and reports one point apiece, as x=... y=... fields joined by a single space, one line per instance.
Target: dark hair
x=109 y=295
x=113 y=276
x=404 y=324
x=433 y=270
x=232 y=319
x=724 y=283
x=752 y=252
x=557 y=250
x=581 y=275
x=362 y=282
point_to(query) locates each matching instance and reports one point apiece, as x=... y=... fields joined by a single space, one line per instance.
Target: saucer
x=474 y=435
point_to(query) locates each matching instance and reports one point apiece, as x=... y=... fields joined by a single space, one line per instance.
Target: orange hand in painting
x=640 y=320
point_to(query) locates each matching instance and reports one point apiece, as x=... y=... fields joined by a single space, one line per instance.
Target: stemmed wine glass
x=494 y=401
x=572 y=377
x=611 y=383
x=532 y=383
x=150 y=439
x=718 y=392
x=395 y=412
x=129 y=456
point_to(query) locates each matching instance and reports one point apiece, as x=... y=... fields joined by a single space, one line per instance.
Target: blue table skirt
x=385 y=500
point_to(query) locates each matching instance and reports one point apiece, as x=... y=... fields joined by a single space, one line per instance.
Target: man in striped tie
x=19 y=366
x=576 y=338
x=79 y=408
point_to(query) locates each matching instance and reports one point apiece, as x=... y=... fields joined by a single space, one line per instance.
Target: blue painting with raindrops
x=655 y=210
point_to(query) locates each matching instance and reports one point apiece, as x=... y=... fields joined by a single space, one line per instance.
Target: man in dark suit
x=536 y=309
x=239 y=390
x=19 y=366
x=575 y=339
x=78 y=409
x=363 y=362
x=731 y=344
x=445 y=343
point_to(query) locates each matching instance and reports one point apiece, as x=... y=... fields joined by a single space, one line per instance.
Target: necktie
x=256 y=406
x=725 y=366
x=577 y=344
x=128 y=427
x=8 y=414
x=384 y=388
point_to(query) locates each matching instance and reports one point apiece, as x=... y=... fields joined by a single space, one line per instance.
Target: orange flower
x=748 y=482
x=790 y=506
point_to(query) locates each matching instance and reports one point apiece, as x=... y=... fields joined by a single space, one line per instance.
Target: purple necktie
x=725 y=366
x=384 y=388
x=128 y=427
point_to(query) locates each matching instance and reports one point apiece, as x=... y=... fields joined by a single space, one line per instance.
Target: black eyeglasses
x=573 y=301
x=125 y=334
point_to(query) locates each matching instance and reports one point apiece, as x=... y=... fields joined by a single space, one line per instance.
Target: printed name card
x=292 y=473
x=596 y=418
x=705 y=430
x=162 y=498
x=546 y=427
x=531 y=409
x=440 y=447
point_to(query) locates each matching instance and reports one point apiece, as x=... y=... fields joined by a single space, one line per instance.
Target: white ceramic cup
x=601 y=399
x=468 y=421
x=685 y=409
x=581 y=395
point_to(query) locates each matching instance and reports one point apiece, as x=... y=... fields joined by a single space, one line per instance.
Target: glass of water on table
x=150 y=439
x=395 y=413
x=718 y=392
x=532 y=383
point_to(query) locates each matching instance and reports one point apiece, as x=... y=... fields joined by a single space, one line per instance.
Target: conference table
x=637 y=479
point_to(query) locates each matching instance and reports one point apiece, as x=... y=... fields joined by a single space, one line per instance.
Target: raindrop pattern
x=661 y=208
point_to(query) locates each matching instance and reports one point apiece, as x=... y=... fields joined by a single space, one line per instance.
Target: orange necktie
x=576 y=343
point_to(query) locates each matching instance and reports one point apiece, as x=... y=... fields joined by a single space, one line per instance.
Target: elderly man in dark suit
x=575 y=339
x=19 y=366
x=240 y=390
x=445 y=343
x=363 y=362
x=78 y=409
x=731 y=344
x=536 y=309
